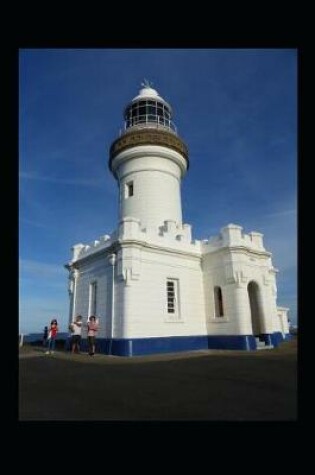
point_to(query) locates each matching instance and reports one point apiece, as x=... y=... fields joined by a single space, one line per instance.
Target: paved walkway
x=201 y=385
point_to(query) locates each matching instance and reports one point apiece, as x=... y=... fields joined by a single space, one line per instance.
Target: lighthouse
x=149 y=161
x=153 y=287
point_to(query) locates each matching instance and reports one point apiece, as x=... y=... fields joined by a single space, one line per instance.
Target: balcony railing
x=150 y=121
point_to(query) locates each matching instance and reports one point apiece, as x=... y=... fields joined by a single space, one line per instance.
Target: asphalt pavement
x=213 y=385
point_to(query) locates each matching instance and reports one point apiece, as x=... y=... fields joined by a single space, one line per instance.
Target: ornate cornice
x=121 y=243
x=243 y=249
x=147 y=137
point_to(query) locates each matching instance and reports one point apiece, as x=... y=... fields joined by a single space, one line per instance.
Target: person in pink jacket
x=52 y=335
x=92 y=328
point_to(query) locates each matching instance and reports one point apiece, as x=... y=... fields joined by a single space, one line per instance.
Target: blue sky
x=236 y=109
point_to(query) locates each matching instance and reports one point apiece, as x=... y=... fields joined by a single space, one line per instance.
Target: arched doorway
x=255 y=308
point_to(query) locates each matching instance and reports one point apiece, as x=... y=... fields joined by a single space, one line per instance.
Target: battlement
x=232 y=235
x=81 y=250
x=170 y=234
x=173 y=235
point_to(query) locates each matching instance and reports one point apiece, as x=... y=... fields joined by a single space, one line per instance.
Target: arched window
x=93 y=298
x=218 y=302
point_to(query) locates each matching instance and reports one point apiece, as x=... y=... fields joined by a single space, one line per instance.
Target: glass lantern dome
x=148 y=109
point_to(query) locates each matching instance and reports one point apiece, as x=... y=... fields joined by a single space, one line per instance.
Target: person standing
x=53 y=330
x=45 y=336
x=92 y=330
x=76 y=334
x=68 y=346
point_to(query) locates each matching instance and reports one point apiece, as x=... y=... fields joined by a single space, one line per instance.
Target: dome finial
x=147 y=84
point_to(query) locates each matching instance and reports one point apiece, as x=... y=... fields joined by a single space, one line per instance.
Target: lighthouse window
x=147 y=111
x=151 y=110
x=218 y=302
x=129 y=189
x=134 y=110
x=93 y=298
x=142 y=110
x=172 y=298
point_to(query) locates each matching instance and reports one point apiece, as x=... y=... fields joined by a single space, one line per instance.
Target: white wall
x=145 y=311
x=232 y=270
x=144 y=263
x=97 y=270
x=156 y=175
x=282 y=313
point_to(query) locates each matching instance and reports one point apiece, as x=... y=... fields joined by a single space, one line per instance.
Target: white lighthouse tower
x=149 y=161
x=153 y=287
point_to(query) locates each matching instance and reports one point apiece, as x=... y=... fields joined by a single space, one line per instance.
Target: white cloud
x=34 y=223
x=279 y=214
x=41 y=269
x=93 y=182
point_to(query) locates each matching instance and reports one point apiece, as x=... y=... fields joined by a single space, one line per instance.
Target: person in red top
x=92 y=329
x=52 y=334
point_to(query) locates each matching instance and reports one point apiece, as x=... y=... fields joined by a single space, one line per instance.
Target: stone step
x=261 y=345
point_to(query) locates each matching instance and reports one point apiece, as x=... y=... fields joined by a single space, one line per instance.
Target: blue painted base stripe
x=173 y=344
x=276 y=338
x=231 y=342
x=266 y=337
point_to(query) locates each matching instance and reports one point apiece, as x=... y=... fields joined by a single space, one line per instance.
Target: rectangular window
x=172 y=299
x=218 y=303
x=129 y=189
x=93 y=299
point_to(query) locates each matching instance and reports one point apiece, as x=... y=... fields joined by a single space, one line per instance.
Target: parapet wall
x=172 y=235
x=232 y=235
